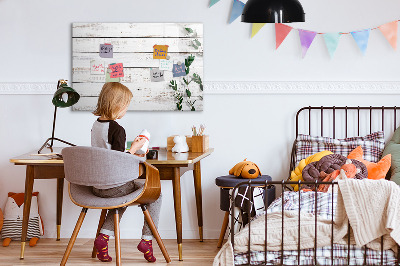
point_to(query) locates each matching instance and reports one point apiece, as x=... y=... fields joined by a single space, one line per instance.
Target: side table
x=226 y=183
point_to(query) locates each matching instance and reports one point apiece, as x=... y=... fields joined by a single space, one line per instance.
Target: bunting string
x=361 y=37
x=343 y=33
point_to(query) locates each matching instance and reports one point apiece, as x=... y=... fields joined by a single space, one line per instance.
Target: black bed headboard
x=346 y=111
x=344 y=121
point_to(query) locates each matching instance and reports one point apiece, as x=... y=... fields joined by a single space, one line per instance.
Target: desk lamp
x=64 y=97
x=273 y=11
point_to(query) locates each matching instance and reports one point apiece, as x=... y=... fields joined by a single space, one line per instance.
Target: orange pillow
x=375 y=170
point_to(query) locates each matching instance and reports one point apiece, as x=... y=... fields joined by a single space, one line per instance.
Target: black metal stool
x=226 y=183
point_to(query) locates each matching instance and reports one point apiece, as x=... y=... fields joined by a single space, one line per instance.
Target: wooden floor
x=50 y=252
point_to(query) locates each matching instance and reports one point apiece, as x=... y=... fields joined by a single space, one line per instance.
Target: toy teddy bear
x=180 y=144
x=13 y=215
x=245 y=169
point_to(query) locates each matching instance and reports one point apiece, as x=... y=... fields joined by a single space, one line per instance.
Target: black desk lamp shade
x=64 y=97
x=273 y=11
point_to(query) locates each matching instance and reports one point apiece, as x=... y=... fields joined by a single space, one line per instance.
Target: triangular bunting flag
x=213 y=2
x=361 y=37
x=306 y=39
x=389 y=30
x=281 y=31
x=256 y=28
x=237 y=9
x=332 y=41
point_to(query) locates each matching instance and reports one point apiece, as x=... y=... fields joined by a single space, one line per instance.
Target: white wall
x=35 y=46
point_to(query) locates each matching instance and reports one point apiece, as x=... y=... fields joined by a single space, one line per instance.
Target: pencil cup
x=200 y=143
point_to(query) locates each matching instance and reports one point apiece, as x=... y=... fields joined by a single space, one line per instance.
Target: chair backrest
x=91 y=166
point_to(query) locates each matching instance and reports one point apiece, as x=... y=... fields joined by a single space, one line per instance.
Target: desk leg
x=60 y=190
x=27 y=206
x=176 y=182
x=199 y=204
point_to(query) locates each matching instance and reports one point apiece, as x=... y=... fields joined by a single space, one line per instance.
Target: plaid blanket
x=340 y=253
x=323 y=205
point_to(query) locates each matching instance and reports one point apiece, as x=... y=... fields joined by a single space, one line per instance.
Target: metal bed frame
x=283 y=184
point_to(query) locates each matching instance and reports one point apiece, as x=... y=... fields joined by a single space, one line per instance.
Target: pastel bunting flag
x=361 y=37
x=237 y=9
x=256 y=27
x=389 y=30
x=306 y=39
x=281 y=31
x=332 y=41
x=213 y=2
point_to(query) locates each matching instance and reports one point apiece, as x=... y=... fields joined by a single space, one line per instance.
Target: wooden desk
x=171 y=167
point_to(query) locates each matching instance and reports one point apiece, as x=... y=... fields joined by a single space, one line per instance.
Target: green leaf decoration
x=189 y=60
x=188 y=93
x=197 y=42
x=189 y=30
x=197 y=79
x=173 y=85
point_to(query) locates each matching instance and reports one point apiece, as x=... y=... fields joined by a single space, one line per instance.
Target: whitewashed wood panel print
x=133 y=47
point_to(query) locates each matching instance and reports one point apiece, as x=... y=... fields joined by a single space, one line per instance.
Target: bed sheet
x=324 y=206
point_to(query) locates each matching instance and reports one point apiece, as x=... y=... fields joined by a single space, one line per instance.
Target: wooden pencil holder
x=200 y=143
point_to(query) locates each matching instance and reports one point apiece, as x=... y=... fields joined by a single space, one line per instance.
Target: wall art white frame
x=133 y=46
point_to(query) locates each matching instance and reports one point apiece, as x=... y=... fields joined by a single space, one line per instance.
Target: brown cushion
x=328 y=164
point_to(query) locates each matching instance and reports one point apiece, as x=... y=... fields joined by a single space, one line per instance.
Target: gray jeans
x=154 y=208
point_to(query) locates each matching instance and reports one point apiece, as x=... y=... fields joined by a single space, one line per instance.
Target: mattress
x=324 y=206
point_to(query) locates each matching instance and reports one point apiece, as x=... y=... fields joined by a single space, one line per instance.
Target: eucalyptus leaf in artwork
x=191 y=105
x=197 y=42
x=189 y=60
x=173 y=85
x=189 y=30
x=179 y=99
x=186 y=81
x=197 y=79
x=184 y=92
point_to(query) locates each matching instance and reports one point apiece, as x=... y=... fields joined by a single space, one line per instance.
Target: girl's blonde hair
x=113 y=98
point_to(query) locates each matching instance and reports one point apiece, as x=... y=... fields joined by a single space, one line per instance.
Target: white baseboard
x=251 y=87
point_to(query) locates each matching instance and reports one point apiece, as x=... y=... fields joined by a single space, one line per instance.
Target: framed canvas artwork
x=161 y=63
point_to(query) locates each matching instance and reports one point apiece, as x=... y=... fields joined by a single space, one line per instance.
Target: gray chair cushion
x=99 y=167
x=83 y=195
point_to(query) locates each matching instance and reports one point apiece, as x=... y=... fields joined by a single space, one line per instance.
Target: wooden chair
x=85 y=167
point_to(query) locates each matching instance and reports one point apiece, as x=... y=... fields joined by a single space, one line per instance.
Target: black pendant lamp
x=273 y=11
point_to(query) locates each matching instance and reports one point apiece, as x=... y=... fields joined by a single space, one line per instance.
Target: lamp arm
x=46 y=143
x=54 y=126
x=54 y=119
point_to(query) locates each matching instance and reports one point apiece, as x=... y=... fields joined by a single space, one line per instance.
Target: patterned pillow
x=372 y=144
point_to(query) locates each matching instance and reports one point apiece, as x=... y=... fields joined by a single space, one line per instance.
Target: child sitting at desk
x=112 y=104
